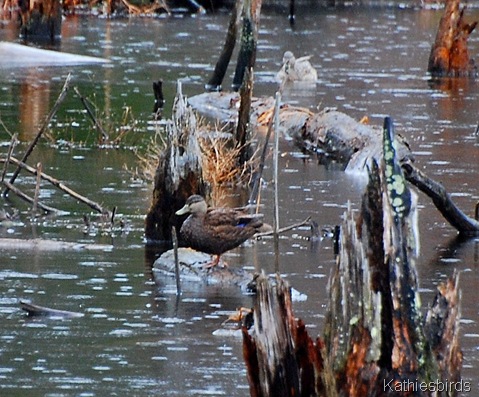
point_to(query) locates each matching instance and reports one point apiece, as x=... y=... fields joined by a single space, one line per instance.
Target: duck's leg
x=215 y=262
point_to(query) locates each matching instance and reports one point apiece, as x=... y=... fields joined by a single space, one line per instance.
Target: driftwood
x=55 y=182
x=178 y=175
x=38 y=244
x=336 y=137
x=449 y=54
x=375 y=342
x=146 y=9
x=332 y=135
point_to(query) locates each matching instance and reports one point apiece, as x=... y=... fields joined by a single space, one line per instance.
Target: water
x=136 y=337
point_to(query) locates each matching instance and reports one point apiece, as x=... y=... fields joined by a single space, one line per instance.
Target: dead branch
x=36 y=310
x=27 y=198
x=13 y=142
x=43 y=128
x=285 y=229
x=97 y=124
x=441 y=199
x=58 y=184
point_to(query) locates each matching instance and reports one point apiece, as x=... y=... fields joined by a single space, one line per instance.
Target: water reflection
x=137 y=336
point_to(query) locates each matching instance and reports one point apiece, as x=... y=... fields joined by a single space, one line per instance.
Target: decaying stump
x=40 y=19
x=449 y=53
x=375 y=342
x=178 y=175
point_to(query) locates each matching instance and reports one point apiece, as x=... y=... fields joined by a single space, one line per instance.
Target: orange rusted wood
x=449 y=54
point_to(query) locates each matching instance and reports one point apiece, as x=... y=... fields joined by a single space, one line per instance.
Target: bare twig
x=177 y=263
x=97 y=124
x=44 y=127
x=37 y=190
x=27 y=198
x=255 y=191
x=285 y=229
x=59 y=185
x=13 y=143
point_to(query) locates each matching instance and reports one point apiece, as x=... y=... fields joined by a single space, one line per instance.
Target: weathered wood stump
x=178 y=175
x=375 y=342
x=449 y=53
x=40 y=20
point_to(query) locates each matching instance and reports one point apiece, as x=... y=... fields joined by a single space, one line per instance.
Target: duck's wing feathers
x=305 y=71
x=222 y=217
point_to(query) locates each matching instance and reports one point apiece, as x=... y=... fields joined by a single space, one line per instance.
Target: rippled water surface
x=136 y=337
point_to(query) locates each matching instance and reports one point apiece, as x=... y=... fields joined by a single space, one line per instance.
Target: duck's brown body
x=215 y=231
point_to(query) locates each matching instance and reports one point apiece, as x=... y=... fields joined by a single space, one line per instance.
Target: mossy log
x=178 y=174
x=375 y=341
x=449 y=54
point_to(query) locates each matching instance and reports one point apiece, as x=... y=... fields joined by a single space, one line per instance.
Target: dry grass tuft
x=219 y=158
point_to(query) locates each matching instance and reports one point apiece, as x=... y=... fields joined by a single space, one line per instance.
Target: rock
x=193 y=269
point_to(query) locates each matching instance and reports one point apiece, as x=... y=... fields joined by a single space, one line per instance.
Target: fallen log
x=375 y=341
x=333 y=136
x=38 y=244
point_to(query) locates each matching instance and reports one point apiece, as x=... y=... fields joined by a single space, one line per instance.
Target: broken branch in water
x=35 y=310
x=54 y=182
x=44 y=127
x=13 y=142
x=27 y=198
x=441 y=199
x=285 y=229
x=97 y=124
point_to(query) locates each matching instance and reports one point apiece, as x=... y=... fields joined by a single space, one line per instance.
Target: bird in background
x=296 y=69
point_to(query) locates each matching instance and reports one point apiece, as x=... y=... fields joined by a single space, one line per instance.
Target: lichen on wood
x=376 y=341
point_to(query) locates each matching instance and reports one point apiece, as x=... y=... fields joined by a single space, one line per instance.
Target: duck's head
x=194 y=205
x=288 y=57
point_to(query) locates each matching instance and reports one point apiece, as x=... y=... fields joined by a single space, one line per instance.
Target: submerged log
x=178 y=175
x=449 y=54
x=42 y=311
x=375 y=342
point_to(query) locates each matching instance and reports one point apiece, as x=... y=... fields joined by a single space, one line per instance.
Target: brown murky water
x=136 y=337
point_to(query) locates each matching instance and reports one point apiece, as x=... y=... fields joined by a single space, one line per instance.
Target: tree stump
x=178 y=175
x=375 y=342
x=449 y=53
x=40 y=20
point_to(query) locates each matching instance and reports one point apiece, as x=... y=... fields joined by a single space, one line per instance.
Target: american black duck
x=215 y=230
